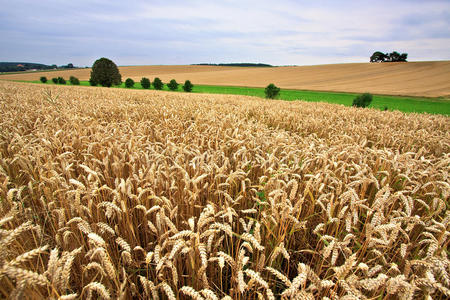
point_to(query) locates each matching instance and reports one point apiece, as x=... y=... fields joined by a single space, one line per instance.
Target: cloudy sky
x=282 y=32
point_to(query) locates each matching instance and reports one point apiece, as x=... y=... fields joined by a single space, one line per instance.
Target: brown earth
x=429 y=79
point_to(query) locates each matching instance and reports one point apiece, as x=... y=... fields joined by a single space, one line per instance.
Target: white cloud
x=282 y=32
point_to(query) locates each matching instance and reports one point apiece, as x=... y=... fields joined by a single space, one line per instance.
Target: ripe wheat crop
x=108 y=193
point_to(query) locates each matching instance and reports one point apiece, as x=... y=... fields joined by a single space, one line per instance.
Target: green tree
x=129 y=83
x=61 y=80
x=362 y=100
x=397 y=57
x=188 y=86
x=158 y=84
x=394 y=56
x=403 y=57
x=43 y=79
x=378 y=56
x=271 y=91
x=92 y=82
x=105 y=72
x=173 y=85
x=55 y=80
x=145 y=83
x=74 y=81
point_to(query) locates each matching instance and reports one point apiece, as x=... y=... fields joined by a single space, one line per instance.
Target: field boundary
x=407 y=104
x=441 y=98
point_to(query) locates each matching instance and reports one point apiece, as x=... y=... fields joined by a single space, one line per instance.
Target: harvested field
x=428 y=79
x=114 y=193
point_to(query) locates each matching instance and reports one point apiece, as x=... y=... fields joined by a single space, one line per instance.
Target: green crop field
x=404 y=104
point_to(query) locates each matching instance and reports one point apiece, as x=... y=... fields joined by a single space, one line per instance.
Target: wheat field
x=427 y=78
x=112 y=193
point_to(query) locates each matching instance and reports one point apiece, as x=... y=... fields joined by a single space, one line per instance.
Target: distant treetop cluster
x=235 y=65
x=25 y=66
x=379 y=56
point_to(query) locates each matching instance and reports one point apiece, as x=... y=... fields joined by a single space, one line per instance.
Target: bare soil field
x=428 y=79
x=133 y=194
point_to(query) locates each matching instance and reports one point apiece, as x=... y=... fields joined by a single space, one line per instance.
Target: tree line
x=60 y=80
x=235 y=65
x=24 y=66
x=159 y=85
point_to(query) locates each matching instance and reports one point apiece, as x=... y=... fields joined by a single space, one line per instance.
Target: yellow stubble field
x=428 y=79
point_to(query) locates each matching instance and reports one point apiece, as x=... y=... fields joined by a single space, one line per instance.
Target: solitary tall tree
x=105 y=72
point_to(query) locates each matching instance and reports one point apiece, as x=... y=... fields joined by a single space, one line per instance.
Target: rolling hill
x=428 y=79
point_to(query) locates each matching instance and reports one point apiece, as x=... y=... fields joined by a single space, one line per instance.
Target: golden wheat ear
x=113 y=193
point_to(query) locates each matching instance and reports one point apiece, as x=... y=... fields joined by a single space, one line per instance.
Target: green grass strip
x=404 y=104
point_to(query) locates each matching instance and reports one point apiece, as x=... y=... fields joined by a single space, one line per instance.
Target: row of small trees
x=159 y=85
x=129 y=83
x=60 y=80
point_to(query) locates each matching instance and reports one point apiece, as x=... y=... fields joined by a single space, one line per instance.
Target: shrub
x=105 y=72
x=55 y=80
x=129 y=83
x=188 y=86
x=74 y=81
x=61 y=80
x=173 y=85
x=271 y=91
x=158 y=84
x=362 y=100
x=145 y=83
x=43 y=79
x=92 y=82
